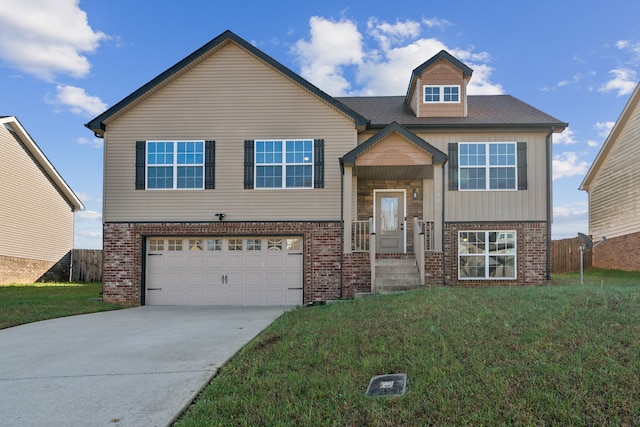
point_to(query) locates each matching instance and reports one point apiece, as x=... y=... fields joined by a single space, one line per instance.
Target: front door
x=389 y=221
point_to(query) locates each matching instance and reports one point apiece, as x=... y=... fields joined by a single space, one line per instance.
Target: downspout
x=444 y=276
x=548 y=143
x=341 y=226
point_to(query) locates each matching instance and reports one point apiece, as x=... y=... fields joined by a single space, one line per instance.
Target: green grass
x=21 y=304
x=566 y=354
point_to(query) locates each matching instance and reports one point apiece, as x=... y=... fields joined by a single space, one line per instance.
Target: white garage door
x=224 y=271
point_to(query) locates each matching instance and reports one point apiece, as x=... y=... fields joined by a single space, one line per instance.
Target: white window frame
x=284 y=164
x=441 y=94
x=487 y=254
x=487 y=166
x=174 y=165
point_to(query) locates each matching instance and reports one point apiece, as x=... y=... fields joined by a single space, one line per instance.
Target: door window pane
x=388 y=214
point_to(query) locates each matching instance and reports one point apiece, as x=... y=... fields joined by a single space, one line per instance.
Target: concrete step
x=396 y=289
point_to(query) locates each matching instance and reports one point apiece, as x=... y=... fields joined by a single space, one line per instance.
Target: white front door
x=389 y=221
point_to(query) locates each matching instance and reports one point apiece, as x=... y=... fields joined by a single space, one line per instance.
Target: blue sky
x=64 y=62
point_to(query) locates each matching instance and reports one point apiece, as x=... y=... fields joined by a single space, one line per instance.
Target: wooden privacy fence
x=565 y=255
x=86 y=265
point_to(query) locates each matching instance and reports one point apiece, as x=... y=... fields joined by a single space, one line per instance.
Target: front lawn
x=566 y=354
x=21 y=304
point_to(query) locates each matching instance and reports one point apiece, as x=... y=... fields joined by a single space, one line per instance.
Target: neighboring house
x=612 y=183
x=229 y=179
x=36 y=211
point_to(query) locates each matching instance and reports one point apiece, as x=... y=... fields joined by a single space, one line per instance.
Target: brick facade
x=531 y=253
x=124 y=253
x=323 y=263
x=618 y=253
x=25 y=270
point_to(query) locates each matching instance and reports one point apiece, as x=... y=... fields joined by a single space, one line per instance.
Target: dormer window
x=441 y=94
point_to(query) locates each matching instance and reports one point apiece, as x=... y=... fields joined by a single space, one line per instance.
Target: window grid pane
x=163 y=158
x=284 y=164
x=487 y=254
x=487 y=166
x=451 y=94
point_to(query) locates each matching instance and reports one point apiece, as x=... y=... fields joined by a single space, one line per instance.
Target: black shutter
x=522 y=165
x=209 y=165
x=453 y=166
x=248 y=163
x=318 y=163
x=141 y=148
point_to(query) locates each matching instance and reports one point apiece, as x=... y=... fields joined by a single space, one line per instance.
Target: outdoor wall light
x=415 y=193
x=220 y=216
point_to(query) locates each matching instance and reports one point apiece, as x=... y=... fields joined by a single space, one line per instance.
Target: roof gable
x=98 y=124
x=610 y=142
x=437 y=155
x=443 y=54
x=13 y=126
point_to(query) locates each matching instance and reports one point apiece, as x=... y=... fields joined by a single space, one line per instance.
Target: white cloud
x=624 y=81
x=46 y=38
x=93 y=142
x=591 y=143
x=337 y=59
x=87 y=198
x=567 y=164
x=389 y=73
x=570 y=211
x=77 y=100
x=567 y=137
x=604 y=128
x=436 y=22
x=392 y=34
x=89 y=215
x=332 y=46
x=575 y=79
x=570 y=219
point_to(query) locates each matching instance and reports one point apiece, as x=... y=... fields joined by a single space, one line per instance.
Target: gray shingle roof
x=483 y=111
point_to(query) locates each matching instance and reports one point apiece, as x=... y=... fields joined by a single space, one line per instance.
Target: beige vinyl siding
x=524 y=205
x=36 y=222
x=230 y=97
x=614 y=194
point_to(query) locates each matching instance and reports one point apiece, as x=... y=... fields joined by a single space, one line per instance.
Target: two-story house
x=229 y=179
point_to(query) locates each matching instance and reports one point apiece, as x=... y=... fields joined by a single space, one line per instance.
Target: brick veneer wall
x=356 y=274
x=123 y=253
x=25 y=270
x=618 y=253
x=531 y=253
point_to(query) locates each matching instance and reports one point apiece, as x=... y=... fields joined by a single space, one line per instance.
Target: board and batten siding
x=470 y=206
x=229 y=97
x=36 y=221
x=614 y=194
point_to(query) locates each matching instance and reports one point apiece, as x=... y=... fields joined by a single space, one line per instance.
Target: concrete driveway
x=133 y=367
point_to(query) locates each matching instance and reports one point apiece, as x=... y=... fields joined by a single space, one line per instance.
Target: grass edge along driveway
x=566 y=354
x=20 y=304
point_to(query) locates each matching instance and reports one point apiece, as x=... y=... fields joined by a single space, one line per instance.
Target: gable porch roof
x=350 y=157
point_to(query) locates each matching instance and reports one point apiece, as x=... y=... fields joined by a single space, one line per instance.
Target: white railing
x=360 y=234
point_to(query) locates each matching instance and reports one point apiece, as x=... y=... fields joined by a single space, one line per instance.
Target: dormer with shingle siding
x=438 y=87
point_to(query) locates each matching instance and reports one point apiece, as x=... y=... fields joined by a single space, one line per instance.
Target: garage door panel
x=223 y=271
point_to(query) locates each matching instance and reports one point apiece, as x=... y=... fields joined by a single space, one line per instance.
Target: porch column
x=347 y=207
x=438 y=200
